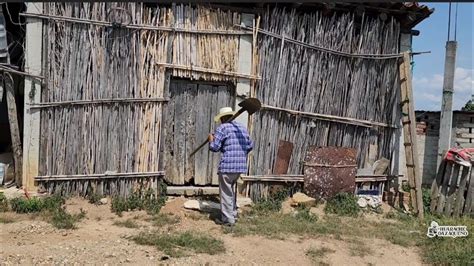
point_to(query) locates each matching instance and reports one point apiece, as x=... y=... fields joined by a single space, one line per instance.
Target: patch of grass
x=276 y=225
x=272 y=203
x=148 y=200
x=180 y=244
x=94 y=198
x=303 y=213
x=343 y=204
x=32 y=205
x=61 y=219
x=127 y=223
x=447 y=250
x=358 y=248
x=163 y=219
x=3 y=203
x=426 y=195
x=404 y=230
x=316 y=255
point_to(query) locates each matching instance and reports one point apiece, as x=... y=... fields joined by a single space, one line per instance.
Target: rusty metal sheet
x=283 y=157
x=329 y=170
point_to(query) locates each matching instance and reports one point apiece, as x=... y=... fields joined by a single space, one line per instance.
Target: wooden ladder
x=409 y=134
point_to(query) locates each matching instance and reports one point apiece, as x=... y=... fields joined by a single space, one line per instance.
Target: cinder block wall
x=427 y=130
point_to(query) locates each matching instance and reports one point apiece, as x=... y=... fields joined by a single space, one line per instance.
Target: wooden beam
x=208 y=70
x=31 y=125
x=96 y=101
x=132 y=26
x=7 y=82
x=98 y=176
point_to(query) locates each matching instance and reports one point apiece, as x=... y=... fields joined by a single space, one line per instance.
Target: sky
x=428 y=70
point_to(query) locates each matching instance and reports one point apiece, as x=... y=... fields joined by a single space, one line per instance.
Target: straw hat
x=223 y=112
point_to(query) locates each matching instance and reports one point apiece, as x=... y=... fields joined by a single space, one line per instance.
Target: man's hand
x=210 y=138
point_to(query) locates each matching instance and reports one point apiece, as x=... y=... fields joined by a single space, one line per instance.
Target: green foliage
x=178 y=244
x=138 y=200
x=3 y=203
x=303 y=214
x=272 y=203
x=51 y=208
x=21 y=205
x=32 y=205
x=94 y=198
x=164 y=219
x=61 y=219
x=469 y=105
x=426 y=194
x=344 y=204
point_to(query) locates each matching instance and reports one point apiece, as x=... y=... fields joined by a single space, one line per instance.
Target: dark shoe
x=220 y=222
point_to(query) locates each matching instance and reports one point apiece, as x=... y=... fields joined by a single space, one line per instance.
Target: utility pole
x=446 y=120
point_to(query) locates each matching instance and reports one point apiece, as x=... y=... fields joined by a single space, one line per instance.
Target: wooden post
x=409 y=133
x=33 y=65
x=7 y=82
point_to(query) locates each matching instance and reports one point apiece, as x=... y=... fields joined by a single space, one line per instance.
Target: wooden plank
x=470 y=125
x=443 y=190
x=467 y=135
x=7 y=81
x=180 y=133
x=372 y=155
x=202 y=130
x=468 y=209
x=223 y=96
x=212 y=163
x=190 y=90
x=458 y=207
x=453 y=185
x=31 y=121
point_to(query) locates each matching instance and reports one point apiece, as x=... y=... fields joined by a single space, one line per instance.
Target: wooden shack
x=128 y=90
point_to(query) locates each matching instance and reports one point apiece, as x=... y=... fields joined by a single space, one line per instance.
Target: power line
x=456 y=21
x=449 y=21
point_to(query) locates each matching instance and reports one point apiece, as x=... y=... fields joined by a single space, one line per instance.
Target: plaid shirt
x=233 y=140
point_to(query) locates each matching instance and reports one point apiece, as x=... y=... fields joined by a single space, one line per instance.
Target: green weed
x=316 y=255
x=3 y=203
x=344 y=204
x=61 y=219
x=179 y=244
x=148 y=200
x=164 y=219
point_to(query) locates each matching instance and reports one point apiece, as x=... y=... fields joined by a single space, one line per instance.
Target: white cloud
x=428 y=90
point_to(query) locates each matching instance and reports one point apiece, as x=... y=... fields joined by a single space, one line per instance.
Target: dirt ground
x=98 y=241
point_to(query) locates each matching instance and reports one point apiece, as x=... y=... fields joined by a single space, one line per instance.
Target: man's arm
x=216 y=143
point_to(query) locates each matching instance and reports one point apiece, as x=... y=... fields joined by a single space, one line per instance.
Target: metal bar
x=132 y=26
x=98 y=101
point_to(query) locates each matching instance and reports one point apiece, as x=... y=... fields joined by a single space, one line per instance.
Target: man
x=233 y=141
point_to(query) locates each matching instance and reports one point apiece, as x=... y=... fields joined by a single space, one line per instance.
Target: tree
x=469 y=105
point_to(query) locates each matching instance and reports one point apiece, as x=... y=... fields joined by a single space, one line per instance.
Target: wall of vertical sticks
x=313 y=66
x=107 y=80
x=105 y=95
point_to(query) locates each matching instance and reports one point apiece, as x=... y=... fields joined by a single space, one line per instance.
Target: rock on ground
x=302 y=199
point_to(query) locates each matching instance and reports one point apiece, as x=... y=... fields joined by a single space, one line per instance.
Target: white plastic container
x=2 y=172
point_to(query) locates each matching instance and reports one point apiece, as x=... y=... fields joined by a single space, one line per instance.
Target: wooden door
x=189 y=119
